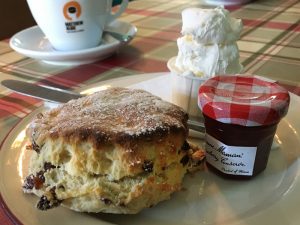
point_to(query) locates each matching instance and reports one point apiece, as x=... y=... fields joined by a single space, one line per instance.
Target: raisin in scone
x=115 y=151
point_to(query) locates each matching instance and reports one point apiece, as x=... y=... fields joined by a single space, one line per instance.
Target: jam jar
x=241 y=114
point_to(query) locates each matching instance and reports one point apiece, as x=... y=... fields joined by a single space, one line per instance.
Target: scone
x=115 y=151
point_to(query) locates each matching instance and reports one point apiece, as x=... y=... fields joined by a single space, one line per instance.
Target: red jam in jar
x=241 y=115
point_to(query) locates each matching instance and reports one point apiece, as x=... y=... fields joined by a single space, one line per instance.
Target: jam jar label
x=235 y=160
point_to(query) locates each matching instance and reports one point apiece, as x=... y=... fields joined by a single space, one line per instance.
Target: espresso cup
x=73 y=25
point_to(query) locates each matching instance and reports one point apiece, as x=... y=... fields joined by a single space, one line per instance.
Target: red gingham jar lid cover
x=243 y=100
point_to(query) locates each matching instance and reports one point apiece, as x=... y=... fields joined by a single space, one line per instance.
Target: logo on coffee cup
x=72 y=12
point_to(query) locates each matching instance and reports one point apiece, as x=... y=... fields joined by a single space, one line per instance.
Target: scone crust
x=116 y=115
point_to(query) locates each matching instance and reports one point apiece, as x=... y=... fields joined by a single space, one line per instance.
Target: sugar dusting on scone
x=115 y=151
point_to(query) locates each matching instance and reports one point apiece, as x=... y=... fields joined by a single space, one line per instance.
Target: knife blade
x=58 y=95
x=43 y=92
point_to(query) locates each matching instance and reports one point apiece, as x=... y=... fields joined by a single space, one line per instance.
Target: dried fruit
x=148 y=166
x=37 y=181
x=185 y=146
x=48 y=166
x=185 y=159
x=35 y=147
x=28 y=182
x=106 y=201
x=45 y=203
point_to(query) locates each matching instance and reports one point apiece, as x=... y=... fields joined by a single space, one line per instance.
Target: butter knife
x=58 y=95
x=42 y=92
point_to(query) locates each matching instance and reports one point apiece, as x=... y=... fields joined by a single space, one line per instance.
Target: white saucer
x=32 y=42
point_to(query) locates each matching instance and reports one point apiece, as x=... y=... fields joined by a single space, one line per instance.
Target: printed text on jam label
x=234 y=160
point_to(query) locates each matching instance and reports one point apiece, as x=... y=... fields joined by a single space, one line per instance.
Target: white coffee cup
x=74 y=24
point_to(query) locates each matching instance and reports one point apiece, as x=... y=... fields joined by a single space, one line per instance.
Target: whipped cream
x=211 y=26
x=207 y=60
x=208 y=45
x=207 y=48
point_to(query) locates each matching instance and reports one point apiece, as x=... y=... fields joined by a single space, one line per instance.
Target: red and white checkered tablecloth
x=269 y=46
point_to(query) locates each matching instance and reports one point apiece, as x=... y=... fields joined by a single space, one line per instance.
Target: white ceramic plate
x=32 y=42
x=273 y=197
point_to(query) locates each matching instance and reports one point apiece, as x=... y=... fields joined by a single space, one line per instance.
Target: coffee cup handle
x=122 y=8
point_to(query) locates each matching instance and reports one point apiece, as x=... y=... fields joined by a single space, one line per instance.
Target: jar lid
x=243 y=100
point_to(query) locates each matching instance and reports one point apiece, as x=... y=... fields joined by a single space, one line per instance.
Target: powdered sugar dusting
x=110 y=113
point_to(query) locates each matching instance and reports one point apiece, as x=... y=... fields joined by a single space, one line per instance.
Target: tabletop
x=269 y=46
